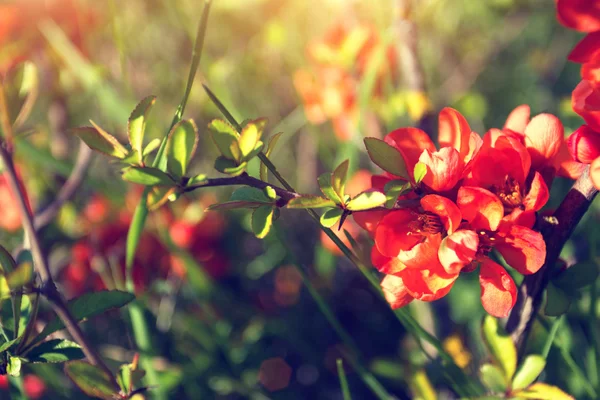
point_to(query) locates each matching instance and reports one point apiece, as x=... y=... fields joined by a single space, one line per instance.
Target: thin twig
x=48 y=289
x=557 y=230
x=73 y=183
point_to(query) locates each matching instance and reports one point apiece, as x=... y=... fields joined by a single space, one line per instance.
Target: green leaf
x=250 y=194
x=13 y=367
x=309 y=201
x=270 y=147
x=136 y=125
x=558 y=301
x=21 y=276
x=9 y=323
x=55 y=351
x=6 y=345
x=151 y=147
x=327 y=189
x=270 y=193
x=250 y=136
x=493 y=378
x=229 y=167
x=87 y=306
x=159 y=195
x=339 y=177
x=542 y=391
x=226 y=139
x=531 y=367
x=343 y=380
x=386 y=157
x=91 y=380
x=262 y=220
x=21 y=87
x=257 y=149
x=148 y=176
x=419 y=172
x=500 y=346
x=197 y=180
x=98 y=139
x=366 y=200
x=577 y=276
x=181 y=147
x=330 y=217
x=7 y=262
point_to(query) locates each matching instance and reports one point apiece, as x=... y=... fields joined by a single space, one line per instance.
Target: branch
x=46 y=215
x=48 y=288
x=245 y=179
x=556 y=231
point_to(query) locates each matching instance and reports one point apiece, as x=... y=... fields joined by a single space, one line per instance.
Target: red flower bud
x=584 y=144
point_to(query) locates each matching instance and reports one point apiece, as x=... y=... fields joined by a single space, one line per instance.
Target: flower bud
x=584 y=144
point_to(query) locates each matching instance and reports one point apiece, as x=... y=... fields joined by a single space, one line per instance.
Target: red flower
x=581 y=15
x=586 y=102
x=584 y=144
x=521 y=247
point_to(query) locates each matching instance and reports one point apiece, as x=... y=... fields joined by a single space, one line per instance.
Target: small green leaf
x=270 y=147
x=225 y=138
x=181 y=147
x=327 y=189
x=148 y=176
x=150 y=147
x=500 y=346
x=197 y=180
x=531 y=367
x=21 y=87
x=250 y=136
x=366 y=200
x=420 y=172
x=394 y=189
x=21 y=276
x=542 y=391
x=87 y=306
x=136 y=125
x=330 y=217
x=577 y=276
x=257 y=149
x=7 y=262
x=159 y=195
x=558 y=301
x=310 y=202
x=13 y=367
x=339 y=177
x=98 y=139
x=247 y=193
x=55 y=351
x=262 y=220
x=91 y=380
x=229 y=167
x=270 y=193
x=493 y=378
x=386 y=157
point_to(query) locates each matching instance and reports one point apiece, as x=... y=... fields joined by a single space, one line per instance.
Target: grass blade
x=343 y=380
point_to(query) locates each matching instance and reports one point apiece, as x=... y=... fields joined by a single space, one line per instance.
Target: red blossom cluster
x=477 y=195
x=584 y=143
x=340 y=60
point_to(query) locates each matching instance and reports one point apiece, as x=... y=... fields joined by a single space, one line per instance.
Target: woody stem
x=556 y=230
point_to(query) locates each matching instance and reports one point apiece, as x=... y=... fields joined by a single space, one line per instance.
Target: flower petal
x=410 y=142
x=565 y=165
x=538 y=193
x=586 y=48
x=368 y=220
x=498 y=290
x=522 y=248
x=422 y=255
x=445 y=209
x=444 y=168
x=394 y=291
x=427 y=284
x=543 y=137
x=584 y=144
x=585 y=100
x=480 y=207
x=458 y=250
x=518 y=119
x=393 y=233
x=454 y=131
x=595 y=173
x=387 y=265
x=581 y=15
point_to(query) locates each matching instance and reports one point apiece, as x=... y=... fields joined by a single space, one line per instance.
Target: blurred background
x=229 y=314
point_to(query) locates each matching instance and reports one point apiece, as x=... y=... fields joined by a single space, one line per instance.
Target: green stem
x=16 y=389
x=551 y=337
x=343 y=380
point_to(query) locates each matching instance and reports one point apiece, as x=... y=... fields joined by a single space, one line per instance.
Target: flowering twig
x=48 y=288
x=556 y=231
x=46 y=215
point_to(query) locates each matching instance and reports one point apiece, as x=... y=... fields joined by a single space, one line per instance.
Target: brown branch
x=247 y=180
x=45 y=216
x=556 y=231
x=48 y=288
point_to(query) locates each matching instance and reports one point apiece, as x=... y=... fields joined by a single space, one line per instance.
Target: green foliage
x=366 y=200
x=419 y=172
x=331 y=217
x=308 y=201
x=531 y=367
x=386 y=157
x=20 y=88
x=493 y=378
x=262 y=220
x=181 y=147
x=270 y=147
x=147 y=176
x=91 y=380
x=55 y=351
x=136 y=127
x=500 y=345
